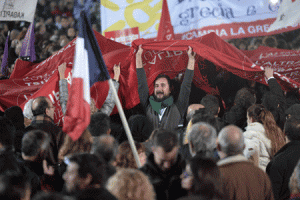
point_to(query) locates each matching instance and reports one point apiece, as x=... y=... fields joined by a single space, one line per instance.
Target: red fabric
x=167 y=57
x=165 y=29
x=78 y=112
x=286 y=64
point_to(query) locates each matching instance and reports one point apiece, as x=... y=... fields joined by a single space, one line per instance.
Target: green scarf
x=157 y=106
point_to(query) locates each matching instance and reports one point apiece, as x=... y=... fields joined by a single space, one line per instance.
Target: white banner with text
x=191 y=19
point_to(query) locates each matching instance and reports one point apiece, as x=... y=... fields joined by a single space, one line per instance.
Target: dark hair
x=201 y=115
x=7 y=132
x=211 y=104
x=40 y=109
x=105 y=148
x=258 y=113
x=140 y=127
x=15 y=115
x=13 y=186
x=292 y=128
x=90 y=164
x=99 y=124
x=207 y=180
x=245 y=97
x=35 y=141
x=165 y=139
x=164 y=76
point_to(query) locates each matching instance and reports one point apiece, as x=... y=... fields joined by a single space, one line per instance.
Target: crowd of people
x=186 y=148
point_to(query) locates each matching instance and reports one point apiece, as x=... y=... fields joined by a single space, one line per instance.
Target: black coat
x=281 y=168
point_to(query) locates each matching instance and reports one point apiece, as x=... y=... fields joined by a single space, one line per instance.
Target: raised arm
x=110 y=103
x=185 y=89
x=191 y=62
x=63 y=87
x=272 y=82
x=143 y=88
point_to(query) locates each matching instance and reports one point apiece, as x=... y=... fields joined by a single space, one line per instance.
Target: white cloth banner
x=288 y=15
x=193 y=18
x=17 y=10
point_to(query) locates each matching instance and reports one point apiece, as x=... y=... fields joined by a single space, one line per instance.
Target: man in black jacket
x=164 y=166
x=284 y=161
x=160 y=109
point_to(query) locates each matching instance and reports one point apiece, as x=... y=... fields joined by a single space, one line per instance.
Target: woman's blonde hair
x=130 y=184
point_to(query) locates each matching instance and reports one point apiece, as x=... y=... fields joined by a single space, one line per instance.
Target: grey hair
x=231 y=140
x=203 y=137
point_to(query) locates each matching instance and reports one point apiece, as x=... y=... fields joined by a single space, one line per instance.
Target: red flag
x=165 y=30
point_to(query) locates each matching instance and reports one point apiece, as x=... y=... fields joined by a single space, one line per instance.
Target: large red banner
x=169 y=57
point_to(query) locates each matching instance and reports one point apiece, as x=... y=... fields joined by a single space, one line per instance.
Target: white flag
x=17 y=10
x=288 y=15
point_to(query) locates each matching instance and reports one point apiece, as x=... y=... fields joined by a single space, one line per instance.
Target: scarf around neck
x=157 y=106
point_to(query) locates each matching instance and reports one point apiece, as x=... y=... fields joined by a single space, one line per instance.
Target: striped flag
x=88 y=68
x=4 y=64
x=28 y=50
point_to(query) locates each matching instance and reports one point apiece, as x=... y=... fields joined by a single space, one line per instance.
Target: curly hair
x=245 y=97
x=131 y=184
x=260 y=114
x=83 y=144
x=125 y=158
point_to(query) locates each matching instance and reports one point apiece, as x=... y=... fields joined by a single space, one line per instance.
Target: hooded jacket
x=256 y=140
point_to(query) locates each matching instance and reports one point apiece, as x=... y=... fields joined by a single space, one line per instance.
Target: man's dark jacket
x=281 y=167
x=173 y=113
x=167 y=185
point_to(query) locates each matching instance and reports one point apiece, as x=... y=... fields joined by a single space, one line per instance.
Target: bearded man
x=160 y=108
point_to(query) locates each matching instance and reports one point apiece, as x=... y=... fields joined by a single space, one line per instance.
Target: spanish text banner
x=17 y=10
x=191 y=19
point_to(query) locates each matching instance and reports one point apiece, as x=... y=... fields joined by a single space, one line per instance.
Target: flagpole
x=125 y=124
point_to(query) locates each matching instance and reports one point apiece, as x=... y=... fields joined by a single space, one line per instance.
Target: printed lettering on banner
x=192 y=19
x=14 y=10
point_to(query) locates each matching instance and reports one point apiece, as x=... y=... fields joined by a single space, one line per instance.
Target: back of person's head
x=292 y=128
x=39 y=106
x=81 y=145
x=15 y=115
x=125 y=157
x=231 y=140
x=35 y=142
x=293 y=110
x=165 y=139
x=207 y=180
x=7 y=132
x=211 y=104
x=202 y=115
x=202 y=138
x=244 y=98
x=89 y=164
x=14 y=186
x=258 y=113
x=99 y=124
x=105 y=146
x=270 y=41
x=140 y=127
x=27 y=112
x=192 y=110
x=131 y=184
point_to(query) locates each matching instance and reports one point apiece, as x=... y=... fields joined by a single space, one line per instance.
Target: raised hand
x=117 y=71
